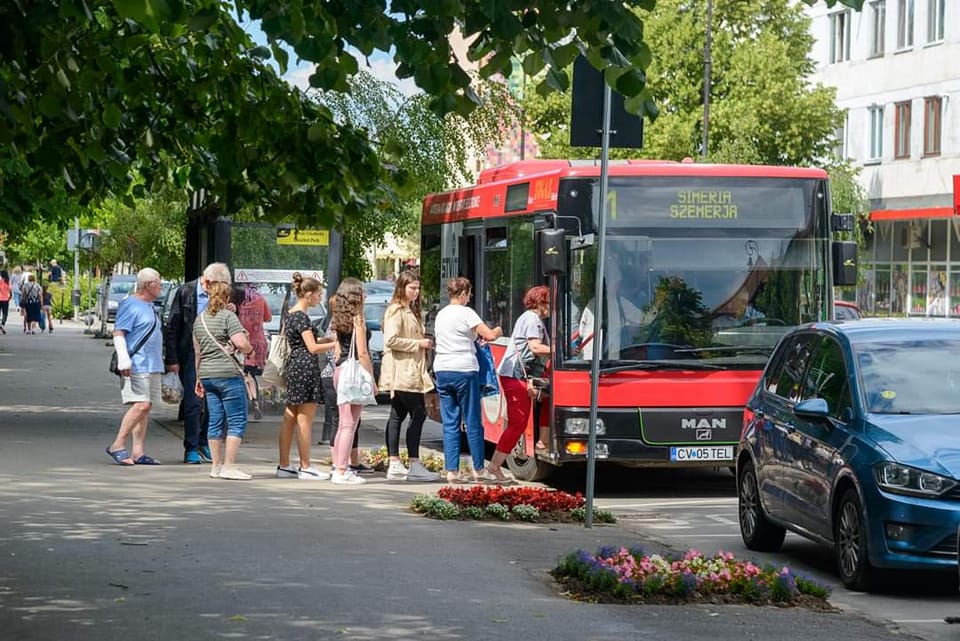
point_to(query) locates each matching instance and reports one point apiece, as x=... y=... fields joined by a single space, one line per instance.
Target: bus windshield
x=713 y=273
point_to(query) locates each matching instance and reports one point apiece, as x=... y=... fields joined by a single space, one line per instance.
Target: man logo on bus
x=703 y=423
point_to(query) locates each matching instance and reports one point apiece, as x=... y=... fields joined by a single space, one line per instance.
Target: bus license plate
x=714 y=453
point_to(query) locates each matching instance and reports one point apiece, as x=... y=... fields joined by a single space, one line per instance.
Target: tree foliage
x=763 y=107
x=177 y=92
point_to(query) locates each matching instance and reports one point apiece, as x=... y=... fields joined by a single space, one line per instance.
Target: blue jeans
x=226 y=407
x=460 y=402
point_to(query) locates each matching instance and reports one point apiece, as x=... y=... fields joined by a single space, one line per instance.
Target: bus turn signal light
x=576 y=448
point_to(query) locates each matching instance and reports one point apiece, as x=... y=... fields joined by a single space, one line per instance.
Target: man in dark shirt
x=190 y=300
x=56 y=272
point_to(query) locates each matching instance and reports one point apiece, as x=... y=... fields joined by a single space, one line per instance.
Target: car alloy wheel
x=757 y=532
x=850 y=538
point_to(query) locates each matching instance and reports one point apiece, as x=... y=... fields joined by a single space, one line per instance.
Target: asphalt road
x=90 y=550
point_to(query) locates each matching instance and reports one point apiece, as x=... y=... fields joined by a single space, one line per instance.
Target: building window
x=876 y=133
x=879 y=11
x=931 y=126
x=840 y=148
x=935 y=20
x=905 y=24
x=839 y=36
x=901 y=132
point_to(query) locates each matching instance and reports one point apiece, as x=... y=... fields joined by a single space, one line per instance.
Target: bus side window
x=508 y=268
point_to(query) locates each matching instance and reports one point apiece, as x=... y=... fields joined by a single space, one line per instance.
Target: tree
x=178 y=92
x=763 y=109
x=434 y=151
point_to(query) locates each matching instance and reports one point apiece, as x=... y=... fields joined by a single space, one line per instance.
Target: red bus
x=707 y=266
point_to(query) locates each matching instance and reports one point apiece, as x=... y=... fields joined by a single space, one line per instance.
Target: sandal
x=456 y=480
x=499 y=477
x=146 y=460
x=120 y=457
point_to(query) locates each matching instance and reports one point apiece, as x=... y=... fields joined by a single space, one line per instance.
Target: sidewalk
x=93 y=551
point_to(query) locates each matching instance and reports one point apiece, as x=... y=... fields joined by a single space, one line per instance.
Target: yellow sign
x=314 y=237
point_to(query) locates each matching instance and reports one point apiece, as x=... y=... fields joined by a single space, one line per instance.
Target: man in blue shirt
x=189 y=302
x=139 y=343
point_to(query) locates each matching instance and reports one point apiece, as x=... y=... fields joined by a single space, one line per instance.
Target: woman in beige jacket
x=403 y=373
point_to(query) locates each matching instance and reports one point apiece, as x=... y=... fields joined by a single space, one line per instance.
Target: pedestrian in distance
x=31 y=297
x=455 y=364
x=16 y=280
x=137 y=324
x=253 y=311
x=217 y=336
x=351 y=331
x=190 y=300
x=404 y=374
x=304 y=389
x=522 y=364
x=55 y=273
x=47 y=309
x=5 y=293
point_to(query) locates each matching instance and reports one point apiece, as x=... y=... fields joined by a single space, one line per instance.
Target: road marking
x=677 y=503
x=722 y=519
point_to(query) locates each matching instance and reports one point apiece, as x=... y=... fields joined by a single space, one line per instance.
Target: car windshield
x=373 y=314
x=910 y=377
x=118 y=287
x=274 y=295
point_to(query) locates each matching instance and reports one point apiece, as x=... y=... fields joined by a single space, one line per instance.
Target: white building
x=896 y=68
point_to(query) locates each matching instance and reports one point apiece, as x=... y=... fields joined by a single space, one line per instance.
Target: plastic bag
x=171 y=390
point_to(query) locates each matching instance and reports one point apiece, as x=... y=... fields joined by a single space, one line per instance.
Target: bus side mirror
x=553 y=251
x=844 y=260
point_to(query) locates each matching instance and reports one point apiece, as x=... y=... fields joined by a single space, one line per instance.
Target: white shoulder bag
x=356 y=385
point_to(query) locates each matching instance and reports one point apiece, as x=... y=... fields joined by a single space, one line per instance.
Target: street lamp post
x=706 y=80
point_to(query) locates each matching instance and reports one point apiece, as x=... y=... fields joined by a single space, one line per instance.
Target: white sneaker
x=234 y=474
x=421 y=474
x=215 y=471
x=312 y=474
x=347 y=478
x=396 y=471
x=286 y=473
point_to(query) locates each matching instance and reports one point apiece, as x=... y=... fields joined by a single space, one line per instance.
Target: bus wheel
x=528 y=468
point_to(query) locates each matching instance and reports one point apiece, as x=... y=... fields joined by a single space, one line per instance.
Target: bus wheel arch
x=528 y=468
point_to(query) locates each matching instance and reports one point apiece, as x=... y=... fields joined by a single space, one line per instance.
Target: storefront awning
x=913 y=214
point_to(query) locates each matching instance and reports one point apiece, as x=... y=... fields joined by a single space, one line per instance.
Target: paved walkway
x=94 y=551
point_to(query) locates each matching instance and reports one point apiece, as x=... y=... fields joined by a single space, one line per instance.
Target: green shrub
x=498 y=511
x=525 y=512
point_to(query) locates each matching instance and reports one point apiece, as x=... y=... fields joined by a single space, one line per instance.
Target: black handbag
x=114 y=359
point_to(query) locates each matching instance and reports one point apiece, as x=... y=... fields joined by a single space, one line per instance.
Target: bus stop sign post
x=598 y=307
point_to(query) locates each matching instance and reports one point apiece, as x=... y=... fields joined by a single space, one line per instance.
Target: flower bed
x=621 y=575
x=505 y=504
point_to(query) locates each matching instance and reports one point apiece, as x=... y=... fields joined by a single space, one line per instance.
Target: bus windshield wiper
x=766 y=350
x=623 y=366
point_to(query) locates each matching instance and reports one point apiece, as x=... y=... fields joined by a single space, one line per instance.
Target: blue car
x=852 y=438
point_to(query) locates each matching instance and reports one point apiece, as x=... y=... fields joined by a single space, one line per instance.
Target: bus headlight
x=581 y=426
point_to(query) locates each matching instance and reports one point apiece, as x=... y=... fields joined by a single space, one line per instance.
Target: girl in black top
x=302 y=372
x=349 y=325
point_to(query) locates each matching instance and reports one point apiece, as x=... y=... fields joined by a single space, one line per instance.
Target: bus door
x=470 y=254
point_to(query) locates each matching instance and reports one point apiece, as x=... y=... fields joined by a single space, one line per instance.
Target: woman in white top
x=456 y=328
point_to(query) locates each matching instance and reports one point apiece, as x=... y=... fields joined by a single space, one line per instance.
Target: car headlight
x=902 y=479
x=582 y=426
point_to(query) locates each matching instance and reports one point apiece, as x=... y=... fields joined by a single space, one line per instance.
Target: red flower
x=543 y=500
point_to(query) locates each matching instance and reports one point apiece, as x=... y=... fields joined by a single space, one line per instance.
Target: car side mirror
x=812 y=408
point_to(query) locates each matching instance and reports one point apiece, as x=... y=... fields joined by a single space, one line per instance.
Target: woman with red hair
x=524 y=360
